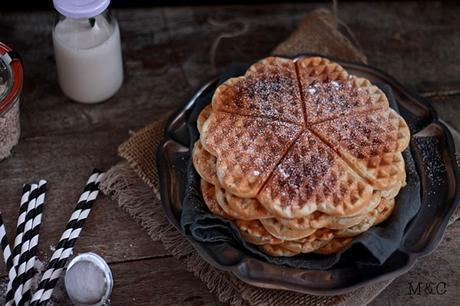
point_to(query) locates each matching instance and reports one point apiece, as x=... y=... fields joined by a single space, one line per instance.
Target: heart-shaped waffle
x=295 y=148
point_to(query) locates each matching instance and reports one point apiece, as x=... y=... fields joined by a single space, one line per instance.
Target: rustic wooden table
x=167 y=55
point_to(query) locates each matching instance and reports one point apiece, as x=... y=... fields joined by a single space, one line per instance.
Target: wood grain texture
x=167 y=54
x=162 y=282
x=415 y=42
x=440 y=267
x=448 y=108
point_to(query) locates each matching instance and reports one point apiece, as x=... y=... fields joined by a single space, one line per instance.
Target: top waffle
x=269 y=89
x=304 y=136
x=330 y=92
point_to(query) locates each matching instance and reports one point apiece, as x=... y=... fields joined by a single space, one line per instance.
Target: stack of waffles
x=300 y=155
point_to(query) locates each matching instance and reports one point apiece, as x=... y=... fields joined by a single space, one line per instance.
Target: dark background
x=48 y=4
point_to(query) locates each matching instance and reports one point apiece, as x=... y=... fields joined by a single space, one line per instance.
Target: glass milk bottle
x=87 y=50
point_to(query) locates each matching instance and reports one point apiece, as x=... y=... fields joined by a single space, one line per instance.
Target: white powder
x=283 y=172
x=311 y=90
x=85 y=283
x=335 y=84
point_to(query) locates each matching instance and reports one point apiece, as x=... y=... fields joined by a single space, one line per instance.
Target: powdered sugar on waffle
x=269 y=90
x=310 y=174
x=331 y=98
x=274 y=95
x=364 y=135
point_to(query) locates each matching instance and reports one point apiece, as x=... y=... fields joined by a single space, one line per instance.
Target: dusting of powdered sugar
x=275 y=95
x=271 y=93
x=283 y=172
x=431 y=155
x=364 y=135
x=335 y=97
x=304 y=171
x=260 y=142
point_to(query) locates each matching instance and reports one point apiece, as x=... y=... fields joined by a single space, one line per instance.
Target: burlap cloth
x=134 y=184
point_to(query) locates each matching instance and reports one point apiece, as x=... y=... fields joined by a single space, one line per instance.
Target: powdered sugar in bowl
x=10 y=89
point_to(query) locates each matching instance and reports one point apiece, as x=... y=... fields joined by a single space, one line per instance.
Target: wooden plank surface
x=437 y=274
x=167 y=53
x=163 y=282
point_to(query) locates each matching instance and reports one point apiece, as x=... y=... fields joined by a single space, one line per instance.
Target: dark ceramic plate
x=433 y=150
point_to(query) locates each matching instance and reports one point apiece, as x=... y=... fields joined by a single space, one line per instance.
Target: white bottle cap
x=78 y=9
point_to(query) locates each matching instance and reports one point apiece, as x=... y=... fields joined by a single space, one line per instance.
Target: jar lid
x=80 y=275
x=10 y=77
x=78 y=9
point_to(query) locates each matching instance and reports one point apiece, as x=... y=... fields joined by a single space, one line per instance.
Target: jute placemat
x=134 y=184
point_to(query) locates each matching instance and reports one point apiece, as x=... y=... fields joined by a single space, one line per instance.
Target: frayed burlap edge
x=140 y=151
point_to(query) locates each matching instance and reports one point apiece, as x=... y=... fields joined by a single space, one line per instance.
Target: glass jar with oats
x=10 y=89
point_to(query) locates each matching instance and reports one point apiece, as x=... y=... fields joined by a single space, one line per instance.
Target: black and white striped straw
x=68 y=250
x=7 y=255
x=21 y=268
x=26 y=220
x=68 y=239
x=18 y=238
x=33 y=246
x=20 y=223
